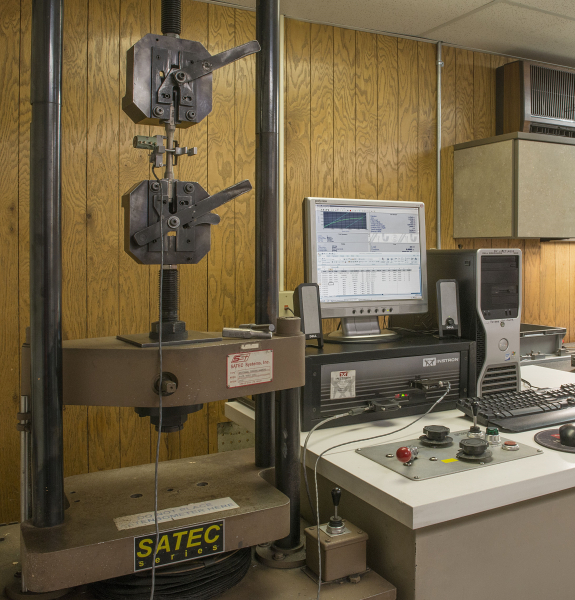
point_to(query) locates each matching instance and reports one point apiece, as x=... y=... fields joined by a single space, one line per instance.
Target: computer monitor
x=369 y=259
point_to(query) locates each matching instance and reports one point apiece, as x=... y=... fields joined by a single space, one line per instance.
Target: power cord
x=531 y=386
x=448 y=389
x=160 y=320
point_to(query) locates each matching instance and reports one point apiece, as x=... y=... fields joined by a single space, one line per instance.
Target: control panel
x=441 y=452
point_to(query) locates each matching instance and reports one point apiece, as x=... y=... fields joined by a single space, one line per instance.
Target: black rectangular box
x=344 y=376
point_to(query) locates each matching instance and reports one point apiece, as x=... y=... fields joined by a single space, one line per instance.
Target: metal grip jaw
x=186 y=220
x=169 y=83
x=165 y=73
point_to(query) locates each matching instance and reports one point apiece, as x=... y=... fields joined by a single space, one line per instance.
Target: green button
x=492 y=431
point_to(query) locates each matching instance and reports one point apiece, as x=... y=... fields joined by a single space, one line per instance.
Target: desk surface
x=422 y=503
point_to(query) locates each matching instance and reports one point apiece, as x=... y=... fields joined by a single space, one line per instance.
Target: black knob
x=567 y=435
x=437 y=433
x=336 y=522
x=474 y=408
x=449 y=321
x=336 y=496
x=473 y=446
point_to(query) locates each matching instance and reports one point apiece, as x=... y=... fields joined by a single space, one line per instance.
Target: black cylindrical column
x=287 y=461
x=46 y=264
x=172 y=17
x=267 y=201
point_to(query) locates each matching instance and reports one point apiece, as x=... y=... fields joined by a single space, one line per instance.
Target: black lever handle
x=336 y=496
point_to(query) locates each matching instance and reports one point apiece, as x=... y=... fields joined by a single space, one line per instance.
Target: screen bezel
x=363 y=308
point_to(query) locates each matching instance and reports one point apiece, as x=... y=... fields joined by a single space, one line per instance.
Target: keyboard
x=521 y=411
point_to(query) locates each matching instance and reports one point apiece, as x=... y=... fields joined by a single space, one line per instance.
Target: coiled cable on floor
x=198 y=579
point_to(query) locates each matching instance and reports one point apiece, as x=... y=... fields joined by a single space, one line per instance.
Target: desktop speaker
x=448 y=321
x=306 y=305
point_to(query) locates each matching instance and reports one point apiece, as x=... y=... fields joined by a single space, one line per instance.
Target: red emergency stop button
x=403 y=454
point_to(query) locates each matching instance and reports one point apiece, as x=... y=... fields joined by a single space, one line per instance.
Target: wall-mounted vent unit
x=516 y=185
x=535 y=99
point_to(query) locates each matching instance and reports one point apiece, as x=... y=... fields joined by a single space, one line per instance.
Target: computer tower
x=490 y=307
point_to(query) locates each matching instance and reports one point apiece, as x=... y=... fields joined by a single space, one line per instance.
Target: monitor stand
x=361 y=330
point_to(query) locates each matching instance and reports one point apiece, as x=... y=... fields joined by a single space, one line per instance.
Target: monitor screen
x=367 y=251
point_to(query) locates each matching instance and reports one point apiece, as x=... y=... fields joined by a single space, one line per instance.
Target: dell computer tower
x=489 y=282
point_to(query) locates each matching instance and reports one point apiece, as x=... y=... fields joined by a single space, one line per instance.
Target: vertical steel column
x=267 y=201
x=288 y=462
x=46 y=264
x=438 y=165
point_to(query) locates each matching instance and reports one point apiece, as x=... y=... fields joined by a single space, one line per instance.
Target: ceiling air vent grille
x=500 y=378
x=552 y=93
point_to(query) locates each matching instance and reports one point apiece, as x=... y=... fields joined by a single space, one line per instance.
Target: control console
x=440 y=451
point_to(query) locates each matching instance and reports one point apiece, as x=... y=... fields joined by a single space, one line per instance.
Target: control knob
x=473 y=449
x=436 y=436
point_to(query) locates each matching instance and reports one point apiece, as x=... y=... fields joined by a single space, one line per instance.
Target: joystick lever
x=336 y=525
x=475 y=430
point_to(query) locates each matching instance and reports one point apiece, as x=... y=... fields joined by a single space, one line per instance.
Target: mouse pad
x=549 y=438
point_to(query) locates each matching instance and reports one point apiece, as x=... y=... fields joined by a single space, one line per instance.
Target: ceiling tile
x=511 y=29
x=560 y=7
x=408 y=17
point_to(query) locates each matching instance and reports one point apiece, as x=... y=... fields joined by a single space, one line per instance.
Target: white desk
x=400 y=513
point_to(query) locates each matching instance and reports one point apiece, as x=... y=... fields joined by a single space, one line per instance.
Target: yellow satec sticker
x=179 y=544
x=450 y=460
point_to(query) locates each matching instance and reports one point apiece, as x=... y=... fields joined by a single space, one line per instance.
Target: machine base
x=14 y=591
x=276 y=558
x=92 y=544
x=261 y=582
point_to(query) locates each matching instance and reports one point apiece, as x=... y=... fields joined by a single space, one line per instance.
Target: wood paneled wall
x=104 y=291
x=360 y=121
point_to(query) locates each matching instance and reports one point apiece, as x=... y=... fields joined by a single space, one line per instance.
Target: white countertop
x=423 y=503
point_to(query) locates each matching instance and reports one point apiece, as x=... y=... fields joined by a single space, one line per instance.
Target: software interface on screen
x=368 y=253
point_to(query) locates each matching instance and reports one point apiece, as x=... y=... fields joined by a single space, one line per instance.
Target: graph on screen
x=348 y=220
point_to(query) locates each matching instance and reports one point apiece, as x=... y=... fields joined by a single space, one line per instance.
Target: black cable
x=345 y=414
x=531 y=386
x=198 y=579
x=160 y=324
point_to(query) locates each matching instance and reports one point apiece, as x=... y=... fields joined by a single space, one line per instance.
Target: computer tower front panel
x=490 y=306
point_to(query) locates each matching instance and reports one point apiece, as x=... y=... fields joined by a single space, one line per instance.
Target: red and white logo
x=241 y=358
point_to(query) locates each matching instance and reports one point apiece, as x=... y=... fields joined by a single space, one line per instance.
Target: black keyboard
x=522 y=411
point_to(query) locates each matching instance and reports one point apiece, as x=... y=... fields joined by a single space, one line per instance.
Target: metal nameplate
x=178 y=545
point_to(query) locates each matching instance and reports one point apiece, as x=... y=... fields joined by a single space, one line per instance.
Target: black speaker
x=448 y=319
x=307 y=307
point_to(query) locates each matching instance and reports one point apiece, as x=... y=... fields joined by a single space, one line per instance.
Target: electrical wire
x=160 y=321
x=345 y=414
x=448 y=389
x=531 y=386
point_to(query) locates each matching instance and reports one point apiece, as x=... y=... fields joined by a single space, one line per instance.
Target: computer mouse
x=567 y=434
